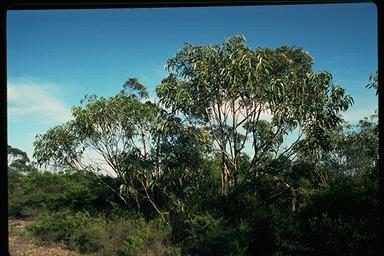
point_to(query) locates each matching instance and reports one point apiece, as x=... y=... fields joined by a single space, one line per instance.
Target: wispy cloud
x=354 y=115
x=37 y=100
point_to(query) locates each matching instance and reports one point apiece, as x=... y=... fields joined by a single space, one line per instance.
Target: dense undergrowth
x=68 y=208
x=106 y=236
x=338 y=218
x=311 y=206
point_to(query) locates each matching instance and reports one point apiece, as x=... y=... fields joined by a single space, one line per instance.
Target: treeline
x=205 y=169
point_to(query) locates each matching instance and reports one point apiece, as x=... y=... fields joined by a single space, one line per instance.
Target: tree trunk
x=294 y=200
x=235 y=153
x=224 y=177
x=143 y=141
x=158 y=156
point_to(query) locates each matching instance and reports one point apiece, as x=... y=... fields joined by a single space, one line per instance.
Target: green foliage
x=373 y=82
x=18 y=160
x=210 y=235
x=120 y=131
x=187 y=177
x=45 y=191
x=342 y=218
x=112 y=236
x=352 y=151
x=227 y=87
x=133 y=88
x=59 y=145
x=315 y=197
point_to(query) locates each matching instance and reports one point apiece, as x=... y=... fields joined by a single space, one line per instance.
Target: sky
x=55 y=57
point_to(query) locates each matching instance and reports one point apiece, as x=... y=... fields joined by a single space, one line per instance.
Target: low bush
x=113 y=236
x=37 y=191
x=210 y=235
x=342 y=218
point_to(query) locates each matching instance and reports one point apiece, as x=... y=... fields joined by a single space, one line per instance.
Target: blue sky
x=55 y=57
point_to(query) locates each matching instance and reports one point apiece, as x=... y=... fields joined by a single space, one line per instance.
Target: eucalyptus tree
x=186 y=178
x=351 y=149
x=17 y=159
x=228 y=89
x=115 y=135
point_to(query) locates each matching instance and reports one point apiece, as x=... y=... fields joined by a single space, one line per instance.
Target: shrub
x=39 y=191
x=210 y=235
x=113 y=236
x=142 y=238
x=341 y=218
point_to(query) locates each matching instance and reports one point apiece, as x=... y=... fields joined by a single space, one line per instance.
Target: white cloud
x=266 y=115
x=33 y=106
x=37 y=100
x=354 y=115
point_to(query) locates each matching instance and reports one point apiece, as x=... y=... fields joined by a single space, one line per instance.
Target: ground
x=22 y=244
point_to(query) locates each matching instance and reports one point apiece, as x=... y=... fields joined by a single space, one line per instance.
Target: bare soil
x=22 y=244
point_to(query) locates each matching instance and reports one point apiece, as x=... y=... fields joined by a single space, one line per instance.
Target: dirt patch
x=21 y=247
x=21 y=244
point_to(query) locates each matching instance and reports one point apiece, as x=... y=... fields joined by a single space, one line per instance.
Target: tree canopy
x=18 y=159
x=227 y=88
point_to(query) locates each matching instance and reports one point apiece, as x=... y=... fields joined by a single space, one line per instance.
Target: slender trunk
x=294 y=200
x=224 y=176
x=158 y=156
x=235 y=153
x=235 y=175
x=164 y=216
x=143 y=141
x=224 y=181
